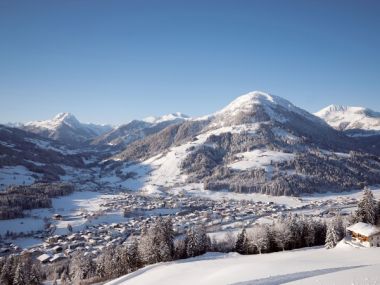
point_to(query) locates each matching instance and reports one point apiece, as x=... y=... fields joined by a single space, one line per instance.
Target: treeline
x=287 y=233
x=156 y=243
x=15 y=199
x=20 y=270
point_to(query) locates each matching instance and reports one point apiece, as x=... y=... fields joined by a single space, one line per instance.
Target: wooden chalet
x=365 y=234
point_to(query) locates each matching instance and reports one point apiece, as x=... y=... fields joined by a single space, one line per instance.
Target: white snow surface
x=16 y=175
x=342 y=265
x=259 y=158
x=347 y=118
x=245 y=103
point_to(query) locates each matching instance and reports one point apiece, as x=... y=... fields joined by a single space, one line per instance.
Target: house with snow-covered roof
x=366 y=234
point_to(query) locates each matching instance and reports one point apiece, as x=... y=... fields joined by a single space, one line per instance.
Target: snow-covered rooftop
x=364 y=229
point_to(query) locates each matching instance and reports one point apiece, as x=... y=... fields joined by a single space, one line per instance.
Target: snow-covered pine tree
x=242 y=244
x=21 y=275
x=378 y=213
x=7 y=272
x=81 y=267
x=197 y=241
x=259 y=238
x=282 y=234
x=157 y=242
x=65 y=278
x=180 y=248
x=339 y=227
x=191 y=246
x=366 y=211
x=134 y=260
x=331 y=237
x=35 y=275
x=309 y=232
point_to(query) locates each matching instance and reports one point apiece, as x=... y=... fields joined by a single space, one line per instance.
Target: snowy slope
x=26 y=157
x=350 y=118
x=259 y=106
x=338 y=266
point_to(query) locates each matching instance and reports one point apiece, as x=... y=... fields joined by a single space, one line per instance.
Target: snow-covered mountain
x=259 y=106
x=27 y=157
x=66 y=128
x=354 y=120
x=257 y=143
x=166 y=118
x=138 y=129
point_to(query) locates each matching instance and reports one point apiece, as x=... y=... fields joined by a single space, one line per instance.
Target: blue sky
x=111 y=61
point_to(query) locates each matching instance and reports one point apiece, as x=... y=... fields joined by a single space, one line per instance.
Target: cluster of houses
x=185 y=211
x=139 y=211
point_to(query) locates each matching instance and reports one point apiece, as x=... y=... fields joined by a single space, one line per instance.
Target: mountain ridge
x=354 y=120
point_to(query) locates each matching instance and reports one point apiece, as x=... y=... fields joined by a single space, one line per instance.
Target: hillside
x=258 y=143
x=342 y=265
x=27 y=158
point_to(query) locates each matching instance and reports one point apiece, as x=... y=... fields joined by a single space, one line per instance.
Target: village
x=136 y=211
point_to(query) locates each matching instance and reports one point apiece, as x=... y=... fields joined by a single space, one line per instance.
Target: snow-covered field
x=70 y=207
x=259 y=158
x=19 y=175
x=342 y=265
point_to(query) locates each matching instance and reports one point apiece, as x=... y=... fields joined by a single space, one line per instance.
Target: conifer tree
x=331 y=237
x=366 y=211
x=242 y=244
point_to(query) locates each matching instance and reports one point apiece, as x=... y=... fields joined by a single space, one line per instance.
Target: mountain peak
x=259 y=106
x=246 y=101
x=64 y=116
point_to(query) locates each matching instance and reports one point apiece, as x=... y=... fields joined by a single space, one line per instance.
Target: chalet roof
x=364 y=229
x=44 y=257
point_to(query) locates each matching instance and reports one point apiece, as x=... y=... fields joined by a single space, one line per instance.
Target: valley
x=253 y=164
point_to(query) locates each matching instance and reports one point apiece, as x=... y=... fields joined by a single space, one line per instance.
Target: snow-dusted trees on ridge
x=197 y=241
x=287 y=233
x=157 y=242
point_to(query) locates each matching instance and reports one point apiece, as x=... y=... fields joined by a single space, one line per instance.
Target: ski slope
x=341 y=265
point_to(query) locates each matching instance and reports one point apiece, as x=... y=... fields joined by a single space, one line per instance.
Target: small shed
x=366 y=234
x=57 y=217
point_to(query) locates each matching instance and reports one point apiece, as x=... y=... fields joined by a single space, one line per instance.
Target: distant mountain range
x=137 y=129
x=354 y=120
x=258 y=143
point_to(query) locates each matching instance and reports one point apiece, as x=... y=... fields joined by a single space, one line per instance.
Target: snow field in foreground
x=342 y=265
